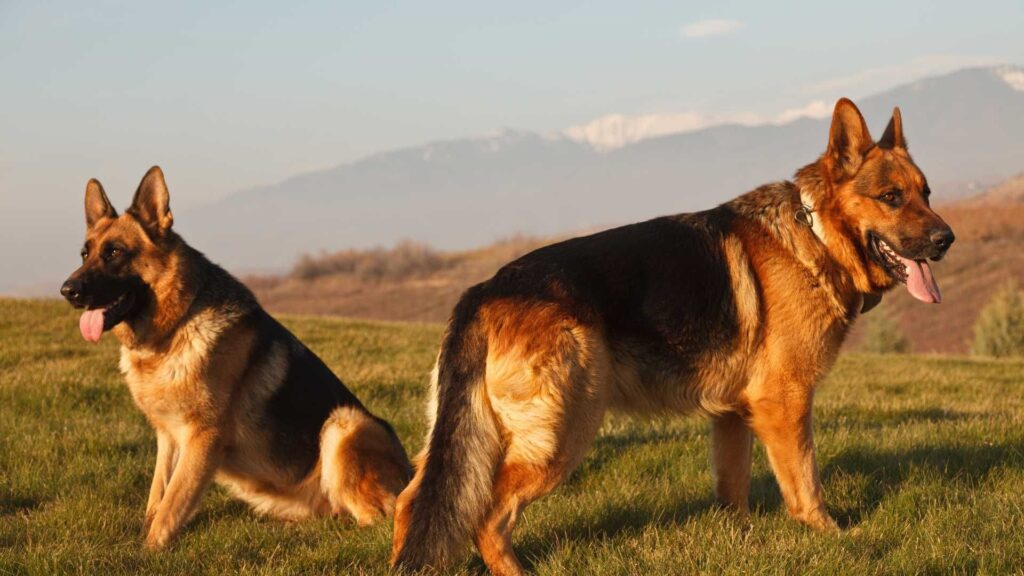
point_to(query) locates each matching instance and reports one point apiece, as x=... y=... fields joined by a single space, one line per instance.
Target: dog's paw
x=818 y=520
x=853 y=531
x=157 y=539
x=823 y=523
x=147 y=523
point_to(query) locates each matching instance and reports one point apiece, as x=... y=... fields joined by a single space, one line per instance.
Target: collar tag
x=805 y=215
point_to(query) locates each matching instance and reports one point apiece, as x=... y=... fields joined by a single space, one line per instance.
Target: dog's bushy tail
x=363 y=464
x=452 y=489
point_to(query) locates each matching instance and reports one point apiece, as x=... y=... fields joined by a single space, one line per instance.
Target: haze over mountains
x=965 y=130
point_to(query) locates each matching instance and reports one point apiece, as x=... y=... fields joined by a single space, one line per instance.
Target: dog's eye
x=112 y=253
x=84 y=253
x=892 y=197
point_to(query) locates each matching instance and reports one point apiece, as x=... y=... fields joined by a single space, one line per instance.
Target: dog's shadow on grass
x=888 y=470
x=11 y=504
x=211 y=515
x=621 y=518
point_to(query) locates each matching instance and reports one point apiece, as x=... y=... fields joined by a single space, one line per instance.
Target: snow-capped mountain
x=617 y=130
x=1012 y=75
x=964 y=127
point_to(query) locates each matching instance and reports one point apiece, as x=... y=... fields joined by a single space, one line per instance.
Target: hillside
x=922 y=457
x=426 y=293
x=1008 y=192
x=987 y=252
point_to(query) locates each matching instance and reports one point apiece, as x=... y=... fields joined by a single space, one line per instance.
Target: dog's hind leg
x=516 y=485
x=364 y=466
x=731 y=442
x=520 y=481
x=551 y=409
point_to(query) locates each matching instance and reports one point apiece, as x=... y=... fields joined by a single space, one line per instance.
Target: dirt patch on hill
x=412 y=282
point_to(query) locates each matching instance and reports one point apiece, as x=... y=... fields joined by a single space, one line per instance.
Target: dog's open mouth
x=97 y=320
x=916 y=274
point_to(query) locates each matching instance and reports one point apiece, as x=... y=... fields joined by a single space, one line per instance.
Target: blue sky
x=228 y=95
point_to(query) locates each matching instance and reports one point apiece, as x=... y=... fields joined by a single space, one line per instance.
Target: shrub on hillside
x=999 y=330
x=405 y=260
x=882 y=334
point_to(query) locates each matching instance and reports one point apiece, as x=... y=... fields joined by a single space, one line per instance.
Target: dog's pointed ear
x=97 y=205
x=152 y=203
x=848 y=140
x=893 y=135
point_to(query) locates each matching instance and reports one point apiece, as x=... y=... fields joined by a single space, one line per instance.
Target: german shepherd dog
x=736 y=312
x=231 y=393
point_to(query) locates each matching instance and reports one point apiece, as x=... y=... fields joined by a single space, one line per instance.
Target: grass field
x=922 y=460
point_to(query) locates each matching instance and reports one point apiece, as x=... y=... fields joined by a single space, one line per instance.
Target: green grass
x=922 y=459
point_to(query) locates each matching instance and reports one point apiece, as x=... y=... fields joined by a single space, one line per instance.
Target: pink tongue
x=91 y=324
x=920 y=282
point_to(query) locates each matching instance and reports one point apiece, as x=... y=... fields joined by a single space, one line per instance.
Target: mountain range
x=964 y=128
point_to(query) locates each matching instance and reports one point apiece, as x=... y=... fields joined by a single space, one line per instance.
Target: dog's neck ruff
x=805 y=215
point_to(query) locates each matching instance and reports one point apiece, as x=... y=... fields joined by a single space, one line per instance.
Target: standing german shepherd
x=232 y=395
x=736 y=312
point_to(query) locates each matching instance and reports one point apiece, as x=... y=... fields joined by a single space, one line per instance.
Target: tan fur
x=357 y=477
x=192 y=372
x=550 y=376
x=196 y=408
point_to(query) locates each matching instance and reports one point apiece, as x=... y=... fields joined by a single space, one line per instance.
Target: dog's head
x=123 y=256
x=876 y=200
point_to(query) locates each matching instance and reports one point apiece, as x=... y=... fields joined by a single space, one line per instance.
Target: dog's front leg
x=782 y=420
x=731 y=444
x=165 y=449
x=200 y=455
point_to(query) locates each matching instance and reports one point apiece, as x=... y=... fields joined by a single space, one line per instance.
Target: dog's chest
x=170 y=387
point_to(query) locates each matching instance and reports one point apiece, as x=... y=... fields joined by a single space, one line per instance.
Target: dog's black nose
x=943 y=238
x=72 y=289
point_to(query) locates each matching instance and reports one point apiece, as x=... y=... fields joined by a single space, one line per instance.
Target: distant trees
x=999 y=330
x=882 y=334
x=405 y=260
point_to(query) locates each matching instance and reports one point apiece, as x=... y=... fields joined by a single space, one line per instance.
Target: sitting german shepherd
x=736 y=312
x=232 y=395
